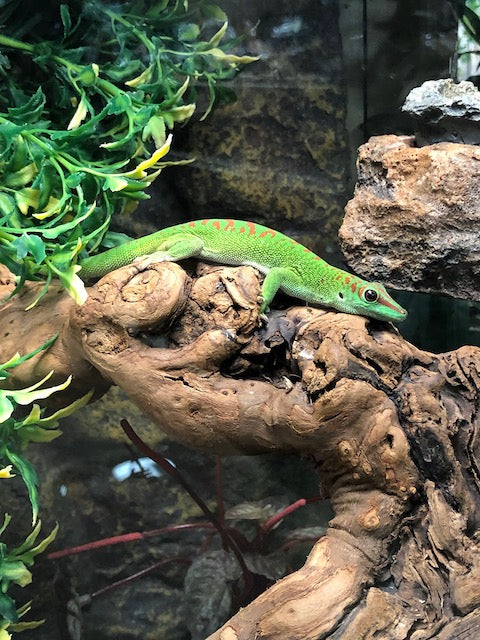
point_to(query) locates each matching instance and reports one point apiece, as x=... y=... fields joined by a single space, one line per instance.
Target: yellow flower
x=6 y=473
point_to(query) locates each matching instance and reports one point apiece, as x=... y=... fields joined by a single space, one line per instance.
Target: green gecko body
x=287 y=265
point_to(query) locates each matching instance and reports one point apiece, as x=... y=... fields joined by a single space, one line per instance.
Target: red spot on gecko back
x=216 y=224
x=230 y=226
x=251 y=227
x=192 y=223
x=268 y=232
x=241 y=230
x=347 y=280
x=205 y=221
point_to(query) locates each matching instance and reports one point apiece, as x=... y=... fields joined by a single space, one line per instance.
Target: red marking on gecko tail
x=216 y=224
x=252 y=229
x=230 y=225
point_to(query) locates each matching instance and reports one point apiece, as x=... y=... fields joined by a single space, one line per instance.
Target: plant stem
x=15 y=44
x=141 y=36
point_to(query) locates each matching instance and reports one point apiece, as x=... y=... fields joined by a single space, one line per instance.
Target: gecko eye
x=370 y=295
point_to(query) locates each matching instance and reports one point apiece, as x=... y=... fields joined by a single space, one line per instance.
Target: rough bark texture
x=414 y=222
x=393 y=432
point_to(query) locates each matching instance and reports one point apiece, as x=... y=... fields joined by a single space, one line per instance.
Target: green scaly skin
x=287 y=265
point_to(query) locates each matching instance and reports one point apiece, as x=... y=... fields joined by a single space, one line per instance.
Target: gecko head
x=371 y=299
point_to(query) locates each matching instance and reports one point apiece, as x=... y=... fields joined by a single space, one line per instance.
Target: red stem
x=126 y=537
x=227 y=540
x=280 y=515
x=134 y=576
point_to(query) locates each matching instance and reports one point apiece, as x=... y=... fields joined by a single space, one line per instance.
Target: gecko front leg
x=278 y=278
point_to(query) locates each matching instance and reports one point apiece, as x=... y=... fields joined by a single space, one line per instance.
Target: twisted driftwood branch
x=393 y=432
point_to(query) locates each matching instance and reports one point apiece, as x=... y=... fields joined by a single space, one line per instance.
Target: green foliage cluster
x=15 y=435
x=466 y=12
x=13 y=569
x=85 y=115
x=89 y=93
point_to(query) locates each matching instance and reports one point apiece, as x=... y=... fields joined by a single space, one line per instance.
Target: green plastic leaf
x=29 y=476
x=29 y=394
x=36 y=247
x=89 y=74
x=27 y=556
x=144 y=77
x=29 y=243
x=8 y=609
x=229 y=58
x=6 y=407
x=74 y=179
x=37 y=434
x=45 y=183
x=53 y=233
x=72 y=283
x=24 y=626
x=115 y=183
x=20 y=244
x=119 y=104
x=80 y=113
x=188 y=32
x=155 y=128
x=8 y=135
x=472 y=23
x=30 y=111
x=28 y=542
x=15 y=571
x=7 y=204
x=22 y=177
x=215 y=39
x=52 y=420
x=6 y=522
x=66 y=19
x=179 y=114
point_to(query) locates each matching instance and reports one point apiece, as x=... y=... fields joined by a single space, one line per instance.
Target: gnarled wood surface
x=393 y=432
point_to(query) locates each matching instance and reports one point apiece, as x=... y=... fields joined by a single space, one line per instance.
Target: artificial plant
x=89 y=94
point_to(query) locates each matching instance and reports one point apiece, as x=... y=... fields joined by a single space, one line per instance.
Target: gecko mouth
x=386 y=303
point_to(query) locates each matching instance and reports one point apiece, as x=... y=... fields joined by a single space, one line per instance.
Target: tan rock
x=414 y=221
